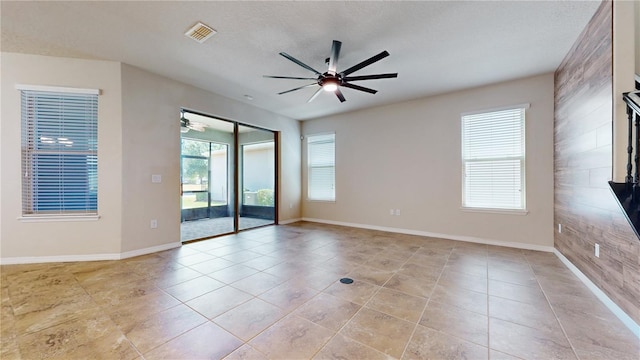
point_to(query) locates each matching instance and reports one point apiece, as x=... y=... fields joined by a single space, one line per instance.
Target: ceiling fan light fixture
x=330 y=87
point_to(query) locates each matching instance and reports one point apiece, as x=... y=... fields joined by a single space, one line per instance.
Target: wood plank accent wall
x=584 y=204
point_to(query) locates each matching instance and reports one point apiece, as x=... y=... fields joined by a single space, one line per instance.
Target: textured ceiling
x=435 y=46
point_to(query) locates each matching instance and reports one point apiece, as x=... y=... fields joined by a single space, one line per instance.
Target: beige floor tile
x=601 y=329
x=411 y=285
x=469 y=268
x=207 y=341
x=437 y=260
x=539 y=316
x=462 y=298
x=191 y=260
x=81 y=338
x=288 y=296
x=212 y=265
x=123 y=294
x=514 y=277
x=218 y=301
x=291 y=338
x=382 y=262
x=457 y=322
x=167 y=278
x=246 y=352
x=513 y=300
x=56 y=312
x=424 y=272
x=380 y=331
x=371 y=275
x=328 y=311
x=497 y=355
x=263 y=262
x=233 y=273
x=191 y=289
x=341 y=347
x=526 y=342
x=164 y=326
x=258 y=283
x=249 y=319
x=403 y=306
x=430 y=344
x=242 y=256
x=592 y=351
x=127 y=315
x=452 y=279
x=527 y=294
x=358 y=292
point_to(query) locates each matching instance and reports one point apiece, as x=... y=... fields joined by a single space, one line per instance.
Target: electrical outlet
x=391 y=212
x=560 y=228
x=290 y=205
x=397 y=212
x=154 y=224
x=597 y=250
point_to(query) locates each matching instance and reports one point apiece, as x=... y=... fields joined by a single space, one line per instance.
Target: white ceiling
x=435 y=46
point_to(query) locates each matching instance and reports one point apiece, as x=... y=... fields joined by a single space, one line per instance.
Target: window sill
x=496 y=211
x=58 y=218
x=320 y=200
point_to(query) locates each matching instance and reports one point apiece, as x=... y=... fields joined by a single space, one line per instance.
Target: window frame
x=465 y=206
x=29 y=123
x=309 y=166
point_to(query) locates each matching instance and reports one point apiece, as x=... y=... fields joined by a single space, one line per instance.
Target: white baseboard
x=615 y=309
x=149 y=250
x=87 y=257
x=289 y=221
x=437 y=235
x=60 y=258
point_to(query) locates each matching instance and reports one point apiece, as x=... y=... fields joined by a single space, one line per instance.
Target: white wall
x=407 y=156
x=138 y=135
x=38 y=239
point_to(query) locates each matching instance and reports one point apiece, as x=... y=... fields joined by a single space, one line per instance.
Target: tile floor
x=274 y=293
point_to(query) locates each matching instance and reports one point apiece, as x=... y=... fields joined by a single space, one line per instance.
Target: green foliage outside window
x=265 y=197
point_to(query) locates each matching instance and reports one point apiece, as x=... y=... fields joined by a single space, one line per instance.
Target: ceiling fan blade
x=370 y=77
x=300 y=63
x=287 y=77
x=298 y=88
x=315 y=95
x=340 y=96
x=358 y=87
x=367 y=62
x=335 y=54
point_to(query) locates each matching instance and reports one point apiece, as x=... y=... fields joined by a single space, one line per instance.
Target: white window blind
x=59 y=152
x=321 y=155
x=493 y=159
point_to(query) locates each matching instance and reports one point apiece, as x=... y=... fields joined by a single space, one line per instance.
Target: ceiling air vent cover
x=200 y=32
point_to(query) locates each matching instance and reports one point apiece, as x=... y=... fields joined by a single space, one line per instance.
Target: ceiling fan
x=332 y=80
x=186 y=124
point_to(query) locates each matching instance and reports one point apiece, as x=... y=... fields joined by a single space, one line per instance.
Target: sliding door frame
x=236 y=171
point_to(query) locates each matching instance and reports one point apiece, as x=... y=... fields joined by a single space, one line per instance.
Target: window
x=321 y=155
x=59 y=151
x=493 y=154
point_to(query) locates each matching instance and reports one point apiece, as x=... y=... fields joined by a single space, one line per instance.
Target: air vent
x=200 y=32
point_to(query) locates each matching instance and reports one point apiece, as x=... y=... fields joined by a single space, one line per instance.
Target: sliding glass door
x=228 y=177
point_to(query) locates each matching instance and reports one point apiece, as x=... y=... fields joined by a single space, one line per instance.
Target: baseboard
x=149 y=250
x=437 y=235
x=289 y=221
x=615 y=309
x=88 y=257
x=60 y=258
